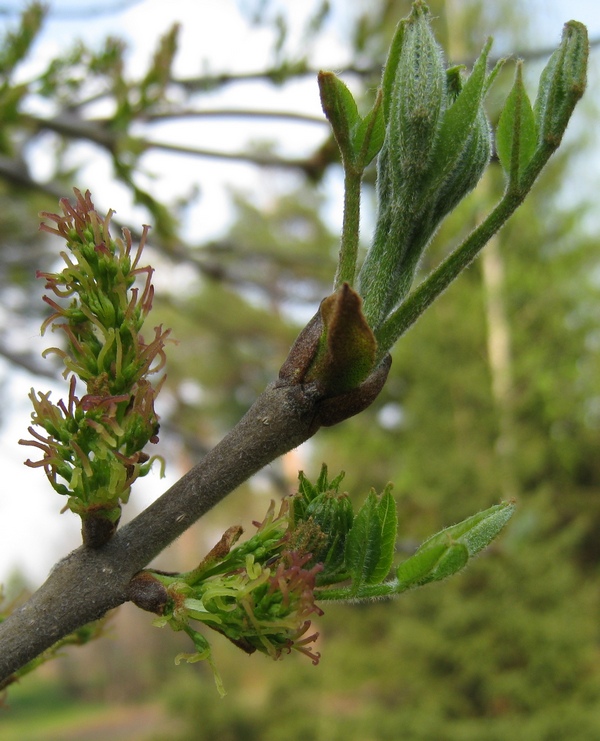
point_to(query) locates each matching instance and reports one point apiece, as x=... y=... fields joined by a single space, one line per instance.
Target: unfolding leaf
x=562 y=83
x=391 y=65
x=363 y=544
x=449 y=550
x=476 y=532
x=308 y=490
x=388 y=527
x=431 y=564
x=368 y=135
x=516 y=134
x=322 y=483
x=370 y=545
x=333 y=514
x=340 y=108
x=459 y=119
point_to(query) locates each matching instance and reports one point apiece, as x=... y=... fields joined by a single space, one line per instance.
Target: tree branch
x=187 y=113
x=70 y=126
x=89 y=582
x=279 y=75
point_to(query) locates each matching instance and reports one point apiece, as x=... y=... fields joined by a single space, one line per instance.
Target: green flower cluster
x=262 y=593
x=259 y=594
x=93 y=443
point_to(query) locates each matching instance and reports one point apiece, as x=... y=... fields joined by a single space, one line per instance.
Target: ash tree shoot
x=429 y=132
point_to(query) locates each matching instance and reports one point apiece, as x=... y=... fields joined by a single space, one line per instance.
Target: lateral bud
x=148 y=593
x=336 y=353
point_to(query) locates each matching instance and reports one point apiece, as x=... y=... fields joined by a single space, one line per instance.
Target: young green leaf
x=489 y=80
x=562 y=83
x=477 y=531
x=322 y=483
x=308 y=490
x=431 y=564
x=334 y=484
x=516 y=134
x=340 y=108
x=388 y=523
x=414 y=570
x=418 y=102
x=449 y=550
x=368 y=136
x=363 y=544
x=391 y=65
x=334 y=517
x=459 y=119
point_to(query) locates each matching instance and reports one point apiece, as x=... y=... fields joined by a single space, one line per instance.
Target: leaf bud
x=562 y=84
x=437 y=145
x=334 y=515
